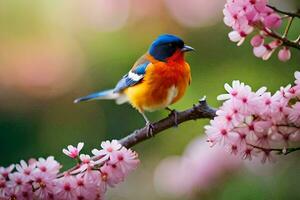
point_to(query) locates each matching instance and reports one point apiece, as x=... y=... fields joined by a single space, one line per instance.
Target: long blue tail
x=107 y=94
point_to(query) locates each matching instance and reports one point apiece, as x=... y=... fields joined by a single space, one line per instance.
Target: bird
x=157 y=79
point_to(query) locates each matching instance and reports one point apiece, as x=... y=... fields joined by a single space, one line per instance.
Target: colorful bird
x=158 y=79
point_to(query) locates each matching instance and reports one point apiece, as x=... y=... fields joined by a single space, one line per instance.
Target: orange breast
x=164 y=84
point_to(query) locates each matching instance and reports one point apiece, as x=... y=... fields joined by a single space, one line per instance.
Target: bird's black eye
x=170 y=44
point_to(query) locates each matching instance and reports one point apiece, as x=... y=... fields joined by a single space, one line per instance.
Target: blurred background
x=54 y=51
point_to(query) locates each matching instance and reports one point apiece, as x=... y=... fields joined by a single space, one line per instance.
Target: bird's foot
x=150 y=129
x=174 y=113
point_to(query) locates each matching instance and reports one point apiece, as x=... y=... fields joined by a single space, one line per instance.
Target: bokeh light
x=52 y=52
x=195 y=13
x=40 y=67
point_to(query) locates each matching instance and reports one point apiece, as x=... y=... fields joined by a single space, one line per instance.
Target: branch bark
x=292 y=14
x=284 y=40
x=284 y=151
x=199 y=111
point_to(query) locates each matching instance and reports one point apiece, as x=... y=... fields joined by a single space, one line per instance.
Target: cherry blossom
x=257 y=123
x=72 y=151
x=284 y=54
x=90 y=179
x=4 y=172
x=199 y=168
x=108 y=148
x=248 y=16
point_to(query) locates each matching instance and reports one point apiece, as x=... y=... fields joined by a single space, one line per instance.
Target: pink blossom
x=24 y=168
x=19 y=186
x=260 y=51
x=65 y=188
x=43 y=184
x=252 y=123
x=218 y=132
x=272 y=21
x=248 y=100
x=111 y=174
x=26 y=193
x=284 y=54
x=17 y=181
x=295 y=136
x=72 y=151
x=233 y=91
x=230 y=116
x=247 y=153
x=245 y=16
x=86 y=163
x=84 y=189
x=235 y=36
x=93 y=176
x=200 y=167
x=3 y=187
x=108 y=148
x=48 y=166
x=280 y=111
x=283 y=94
x=235 y=144
x=257 y=41
x=294 y=114
x=297 y=83
x=4 y=172
x=297 y=76
x=268 y=156
x=267 y=101
x=39 y=179
x=125 y=159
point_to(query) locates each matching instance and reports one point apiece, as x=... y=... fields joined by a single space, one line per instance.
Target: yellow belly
x=160 y=87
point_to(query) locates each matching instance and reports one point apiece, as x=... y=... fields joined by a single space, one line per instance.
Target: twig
x=284 y=40
x=288 y=125
x=199 y=111
x=292 y=14
x=283 y=151
x=298 y=40
x=287 y=28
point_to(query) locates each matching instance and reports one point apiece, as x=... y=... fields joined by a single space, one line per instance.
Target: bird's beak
x=187 y=48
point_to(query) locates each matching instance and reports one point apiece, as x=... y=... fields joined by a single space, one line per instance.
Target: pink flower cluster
x=198 y=169
x=40 y=179
x=245 y=16
x=257 y=123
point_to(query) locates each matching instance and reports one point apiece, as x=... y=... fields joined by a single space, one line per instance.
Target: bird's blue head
x=166 y=45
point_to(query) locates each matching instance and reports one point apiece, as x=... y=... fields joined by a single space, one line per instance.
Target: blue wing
x=134 y=76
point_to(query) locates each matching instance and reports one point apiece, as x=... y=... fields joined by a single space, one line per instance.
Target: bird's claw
x=150 y=129
x=174 y=113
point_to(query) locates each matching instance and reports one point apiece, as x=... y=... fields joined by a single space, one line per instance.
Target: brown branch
x=292 y=14
x=284 y=40
x=198 y=111
x=283 y=151
x=288 y=125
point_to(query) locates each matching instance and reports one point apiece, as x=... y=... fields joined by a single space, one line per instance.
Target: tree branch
x=283 y=151
x=292 y=14
x=284 y=40
x=199 y=111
